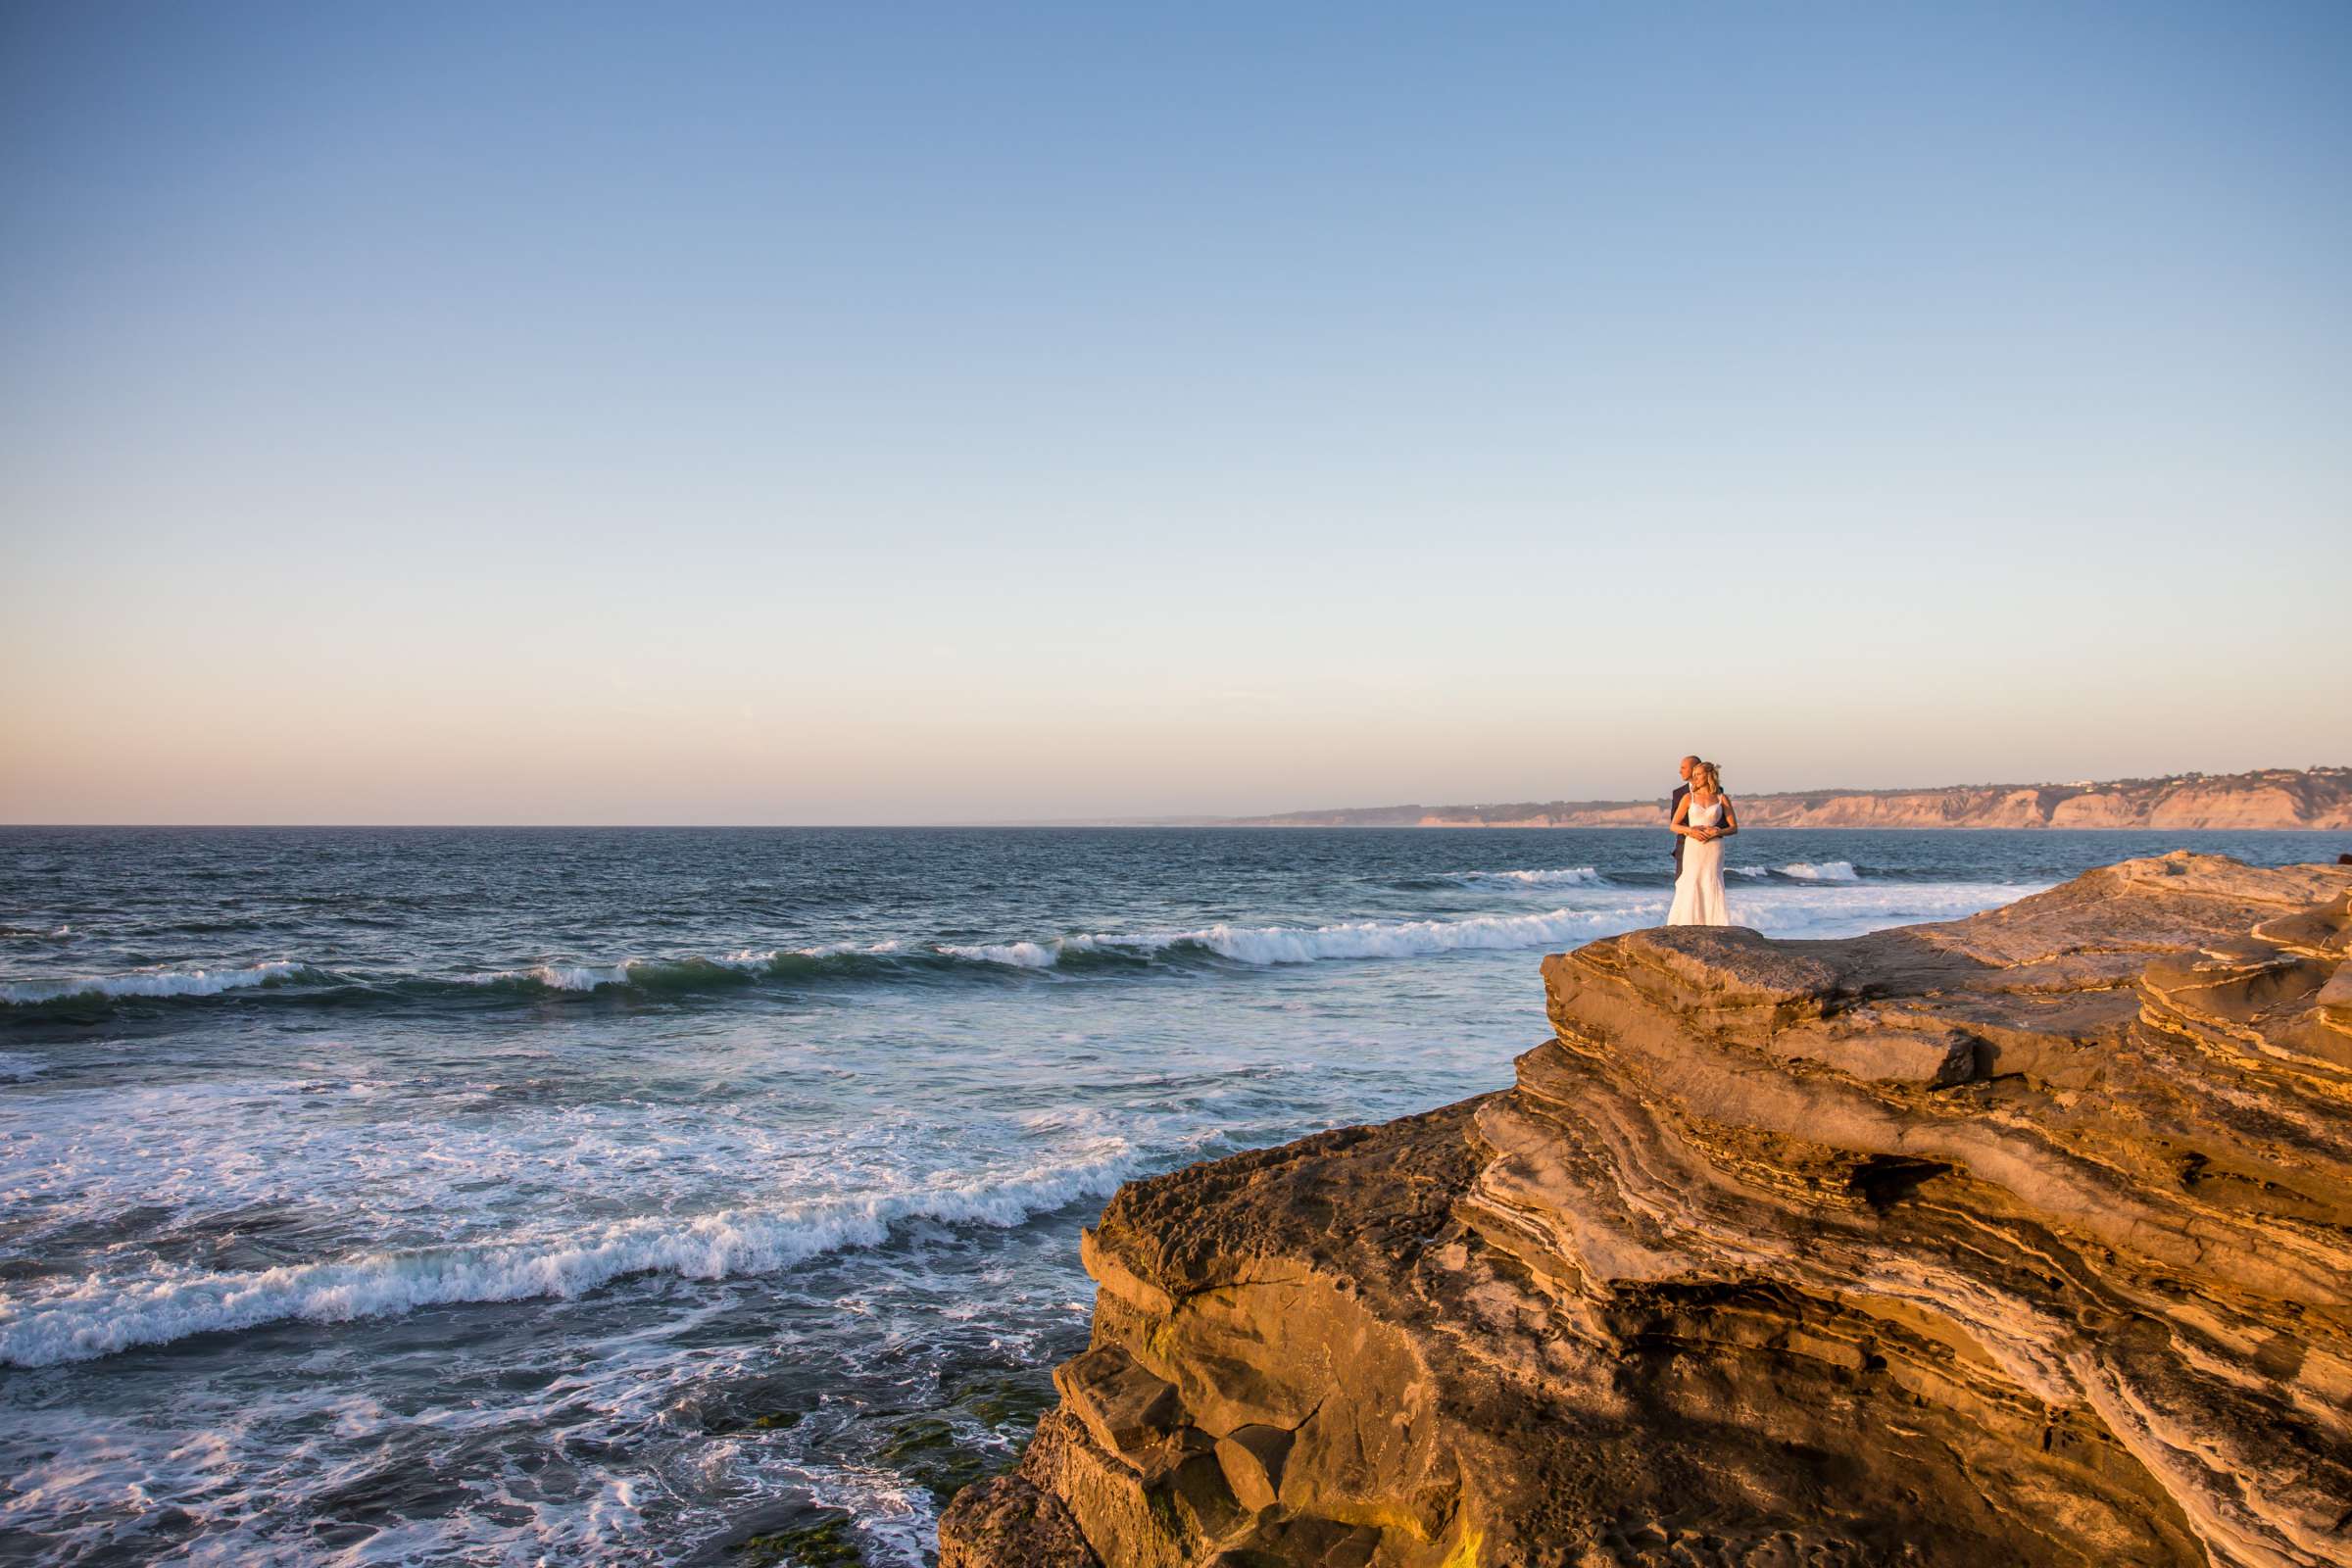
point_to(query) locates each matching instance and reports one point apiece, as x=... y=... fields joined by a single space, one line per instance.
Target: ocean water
x=649 y=1197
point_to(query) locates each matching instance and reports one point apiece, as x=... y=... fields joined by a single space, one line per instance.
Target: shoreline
x=2272 y=799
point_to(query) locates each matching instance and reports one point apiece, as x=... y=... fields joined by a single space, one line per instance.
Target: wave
x=294 y=979
x=1356 y=939
x=101 y=1316
x=1378 y=939
x=1802 y=871
x=1568 y=876
x=842 y=961
x=1583 y=876
x=1252 y=945
x=158 y=983
x=1619 y=902
x=1019 y=955
x=681 y=974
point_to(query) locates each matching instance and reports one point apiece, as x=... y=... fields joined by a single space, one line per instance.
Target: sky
x=827 y=412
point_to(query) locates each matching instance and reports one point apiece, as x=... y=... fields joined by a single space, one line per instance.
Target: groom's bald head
x=1689 y=762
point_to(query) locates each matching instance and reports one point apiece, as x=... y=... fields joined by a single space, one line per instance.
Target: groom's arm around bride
x=1674 y=812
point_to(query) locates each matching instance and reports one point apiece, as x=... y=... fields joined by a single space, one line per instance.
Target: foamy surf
x=103 y=1314
x=845 y=960
x=1275 y=944
x=1020 y=954
x=1583 y=876
x=1608 y=907
x=154 y=983
x=661 y=973
x=1802 y=871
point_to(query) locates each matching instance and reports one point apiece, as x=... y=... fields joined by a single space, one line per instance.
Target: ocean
x=438 y=1195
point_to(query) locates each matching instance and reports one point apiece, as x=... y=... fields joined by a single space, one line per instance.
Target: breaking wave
x=1583 y=876
x=1619 y=903
x=158 y=983
x=293 y=980
x=103 y=1315
x=1251 y=945
x=699 y=973
x=1802 y=871
x=1276 y=943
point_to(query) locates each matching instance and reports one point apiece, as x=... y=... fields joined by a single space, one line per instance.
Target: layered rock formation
x=2020 y=1239
x=2279 y=798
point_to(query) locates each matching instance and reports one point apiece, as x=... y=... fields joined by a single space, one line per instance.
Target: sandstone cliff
x=2281 y=798
x=2020 y=1239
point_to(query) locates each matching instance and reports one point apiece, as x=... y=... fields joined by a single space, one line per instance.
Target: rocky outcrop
x=2279 y=798
x=2020 y=1239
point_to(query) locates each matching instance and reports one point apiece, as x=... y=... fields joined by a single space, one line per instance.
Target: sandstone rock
x=2018 y=1240
x=1125 y=1408
x=1008 y=1523
x=1251 y=1457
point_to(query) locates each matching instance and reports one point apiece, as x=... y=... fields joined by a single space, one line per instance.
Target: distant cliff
x=2278 y=798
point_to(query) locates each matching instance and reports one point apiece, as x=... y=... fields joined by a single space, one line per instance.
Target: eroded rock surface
x=2018 y=1240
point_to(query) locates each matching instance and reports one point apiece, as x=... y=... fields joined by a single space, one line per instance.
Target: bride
x=1704 y=820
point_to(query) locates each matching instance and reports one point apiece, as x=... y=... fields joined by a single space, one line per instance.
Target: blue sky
x=857 y=414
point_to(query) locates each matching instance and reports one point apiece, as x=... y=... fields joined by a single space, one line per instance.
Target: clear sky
x=845 y=413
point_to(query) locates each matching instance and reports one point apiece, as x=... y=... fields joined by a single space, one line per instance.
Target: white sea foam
x=104 y=1314
x=1801 y=871
x=636 y=971
x=1401 y=939
x=151 y=983
x=747 y=958
x=1019 y=955
x=1274 y=944
x=1572 y=876
x=16 y=1068
x=560 y=976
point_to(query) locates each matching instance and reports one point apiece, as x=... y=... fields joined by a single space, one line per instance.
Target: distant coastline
x=2268 y=801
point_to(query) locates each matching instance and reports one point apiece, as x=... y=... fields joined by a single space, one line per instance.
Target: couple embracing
x=1702 y=818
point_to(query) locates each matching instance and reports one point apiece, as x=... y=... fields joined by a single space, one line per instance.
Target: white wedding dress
x=1698 y=891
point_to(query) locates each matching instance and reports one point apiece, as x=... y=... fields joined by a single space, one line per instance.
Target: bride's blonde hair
x=1707 y=778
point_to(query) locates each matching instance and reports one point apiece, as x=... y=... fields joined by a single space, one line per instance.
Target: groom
x=1674 y=804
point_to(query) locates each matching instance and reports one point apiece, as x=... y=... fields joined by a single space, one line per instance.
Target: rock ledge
x=2018 y=1240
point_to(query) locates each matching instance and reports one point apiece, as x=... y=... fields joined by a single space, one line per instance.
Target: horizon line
x=1204 y=820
